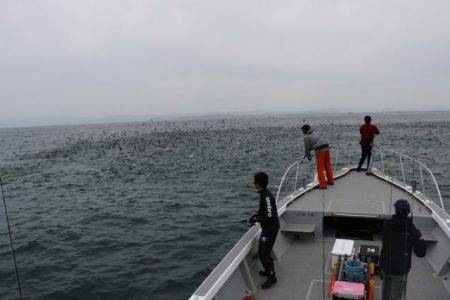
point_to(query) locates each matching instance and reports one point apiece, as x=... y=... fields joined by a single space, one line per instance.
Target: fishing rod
x=414 y=182
x=11 y=241
x=235 y=222
x=243 y=221
x=413 y=188
x=323 y=247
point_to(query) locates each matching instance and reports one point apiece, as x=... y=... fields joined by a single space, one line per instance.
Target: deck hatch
x=353 y=228
x=359 y=207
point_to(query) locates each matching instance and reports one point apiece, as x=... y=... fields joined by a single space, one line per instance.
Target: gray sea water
x=146 y=210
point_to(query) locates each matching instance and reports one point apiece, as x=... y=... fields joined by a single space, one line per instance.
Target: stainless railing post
x=403 y=171
x=421 y=179
x=349 y=153
x=413 y=186
x=296 y=177
x=382 y=161
x=297 y=163
x=437 y=189
x=337 y=158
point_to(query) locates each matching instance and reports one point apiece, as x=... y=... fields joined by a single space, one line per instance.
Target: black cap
x=261 y=178
x=305 y=127
x=402 y=208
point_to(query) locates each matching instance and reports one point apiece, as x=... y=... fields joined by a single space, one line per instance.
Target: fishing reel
x=253 y=220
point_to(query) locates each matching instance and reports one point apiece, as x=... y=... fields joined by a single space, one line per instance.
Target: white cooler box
x=341 y=247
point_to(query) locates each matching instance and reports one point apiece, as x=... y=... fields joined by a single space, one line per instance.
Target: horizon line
x=128 y=118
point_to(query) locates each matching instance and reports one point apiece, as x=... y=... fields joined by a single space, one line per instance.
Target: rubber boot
x=271 y=280
x=263 y=273
x=360 y=165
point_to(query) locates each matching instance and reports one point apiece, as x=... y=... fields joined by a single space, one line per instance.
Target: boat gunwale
x=250 y=235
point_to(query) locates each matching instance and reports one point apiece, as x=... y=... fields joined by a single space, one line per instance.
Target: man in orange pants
x=323 y=161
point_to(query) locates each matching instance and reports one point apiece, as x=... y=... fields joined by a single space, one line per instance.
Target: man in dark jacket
x=400 y=237
x=267 y=216
x=368 y=132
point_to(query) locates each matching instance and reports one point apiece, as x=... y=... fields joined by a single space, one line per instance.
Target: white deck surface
x=299 y=270
x=300 y=277
x=357 y=193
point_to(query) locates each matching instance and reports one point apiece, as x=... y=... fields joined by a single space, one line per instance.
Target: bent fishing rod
x=11 y=241
x=235 y=222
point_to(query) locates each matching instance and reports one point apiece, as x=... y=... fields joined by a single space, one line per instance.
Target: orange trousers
x=323 y=164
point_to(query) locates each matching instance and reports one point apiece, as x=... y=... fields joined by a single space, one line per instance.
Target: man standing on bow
x=400 y=237
x=323 y=157
x=267 y=216
x=368 y=132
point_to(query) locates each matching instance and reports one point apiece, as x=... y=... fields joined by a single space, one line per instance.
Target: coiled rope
x=354 y=271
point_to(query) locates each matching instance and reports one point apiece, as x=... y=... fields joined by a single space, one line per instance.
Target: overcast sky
x=77 y=59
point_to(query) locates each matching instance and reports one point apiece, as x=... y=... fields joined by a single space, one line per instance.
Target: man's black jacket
x=400 y=237
x=268 y=213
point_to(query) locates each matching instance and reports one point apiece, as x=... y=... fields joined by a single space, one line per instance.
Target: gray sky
x=83 y=59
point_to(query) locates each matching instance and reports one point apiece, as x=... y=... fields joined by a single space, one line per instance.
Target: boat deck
x=299 y=270
x=356 y=193
x=355 y=208
x=300 y=276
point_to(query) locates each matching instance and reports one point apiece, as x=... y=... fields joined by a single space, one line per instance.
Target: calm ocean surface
x=146 y=210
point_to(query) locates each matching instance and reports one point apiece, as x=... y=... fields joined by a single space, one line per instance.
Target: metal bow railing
x=407 y=170
x=414 y=175
x=299 y=173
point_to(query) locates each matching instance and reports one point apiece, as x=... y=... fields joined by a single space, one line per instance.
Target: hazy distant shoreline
x=40 y=122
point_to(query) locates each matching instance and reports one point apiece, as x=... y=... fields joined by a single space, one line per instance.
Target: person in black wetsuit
x=400 y=238
x=267 y=216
